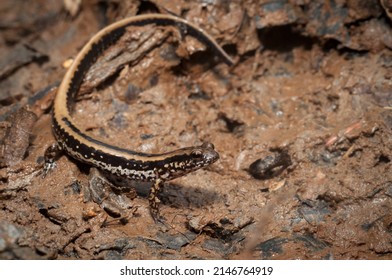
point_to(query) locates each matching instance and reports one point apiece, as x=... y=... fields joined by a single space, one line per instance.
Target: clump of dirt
x=302 y=123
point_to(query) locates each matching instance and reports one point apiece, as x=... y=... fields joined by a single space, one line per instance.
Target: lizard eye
x=197 y=154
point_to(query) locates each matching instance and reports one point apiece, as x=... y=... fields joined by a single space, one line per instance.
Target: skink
x=156 y=168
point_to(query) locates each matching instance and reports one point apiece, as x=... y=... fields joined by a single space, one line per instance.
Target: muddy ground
x=302 y=123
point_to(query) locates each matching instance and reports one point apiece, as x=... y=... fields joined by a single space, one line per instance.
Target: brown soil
x=302 y=123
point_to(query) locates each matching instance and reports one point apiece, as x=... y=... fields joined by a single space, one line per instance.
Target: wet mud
x=302 y=123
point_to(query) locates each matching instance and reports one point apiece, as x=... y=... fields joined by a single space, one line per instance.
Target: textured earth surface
x=302 y=123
